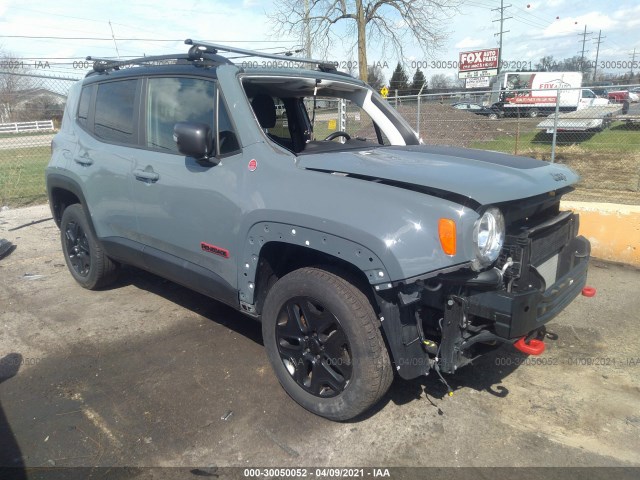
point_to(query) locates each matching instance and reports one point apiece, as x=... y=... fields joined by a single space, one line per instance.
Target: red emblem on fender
x=207 y=247
x=253 y=164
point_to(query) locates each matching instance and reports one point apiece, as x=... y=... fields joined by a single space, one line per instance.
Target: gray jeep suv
x=363 y=252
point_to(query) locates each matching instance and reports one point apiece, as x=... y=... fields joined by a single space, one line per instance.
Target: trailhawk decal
x=207 y=247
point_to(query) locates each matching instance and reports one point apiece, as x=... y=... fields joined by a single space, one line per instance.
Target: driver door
x=187 y=211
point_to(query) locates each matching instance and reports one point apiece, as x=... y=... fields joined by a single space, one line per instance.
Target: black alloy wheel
x=78 y=250
x=313 y=347
x=324 y=342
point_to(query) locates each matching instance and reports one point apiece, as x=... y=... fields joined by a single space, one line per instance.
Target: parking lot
x=148 y=373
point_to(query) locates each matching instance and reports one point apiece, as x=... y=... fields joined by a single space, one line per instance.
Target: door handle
x=146 y=175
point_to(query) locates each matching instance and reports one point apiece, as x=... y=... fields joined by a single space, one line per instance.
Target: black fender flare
x=62 y=182
x=347 y=250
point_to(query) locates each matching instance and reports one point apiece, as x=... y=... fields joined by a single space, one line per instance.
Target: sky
x=536 y=29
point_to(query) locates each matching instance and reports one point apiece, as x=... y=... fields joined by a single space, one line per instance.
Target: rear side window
x=114 y=111
x=172 y=100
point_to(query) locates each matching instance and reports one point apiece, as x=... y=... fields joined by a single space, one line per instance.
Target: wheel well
x=61 y=199
x=278 y=258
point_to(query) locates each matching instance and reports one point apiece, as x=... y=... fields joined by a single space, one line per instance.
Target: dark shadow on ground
x=627 y=126
x=11 y=461
x=202 y=305
x=484 y=374
x=563 y=139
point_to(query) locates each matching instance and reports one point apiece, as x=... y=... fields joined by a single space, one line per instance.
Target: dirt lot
x=143 y=374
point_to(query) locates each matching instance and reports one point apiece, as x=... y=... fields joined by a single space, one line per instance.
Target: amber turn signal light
x=447 y=234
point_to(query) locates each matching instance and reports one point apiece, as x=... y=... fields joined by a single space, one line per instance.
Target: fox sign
x=478 y=60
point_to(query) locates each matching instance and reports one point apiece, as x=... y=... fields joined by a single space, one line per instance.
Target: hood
x=483 y=176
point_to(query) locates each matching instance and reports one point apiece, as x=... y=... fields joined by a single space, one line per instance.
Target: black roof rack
x=213 y=48
x=205 y=53
x=102 y=64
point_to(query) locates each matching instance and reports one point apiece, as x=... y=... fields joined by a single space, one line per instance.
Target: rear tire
x=533 y=113
x=324 y=343
x=86 y=260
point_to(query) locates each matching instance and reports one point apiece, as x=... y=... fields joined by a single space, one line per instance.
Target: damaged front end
x=446 y=319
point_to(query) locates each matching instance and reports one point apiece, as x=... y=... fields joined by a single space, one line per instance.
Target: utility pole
x=633 y=59
x=584 y=39
x=502 y=31
x=595 y=68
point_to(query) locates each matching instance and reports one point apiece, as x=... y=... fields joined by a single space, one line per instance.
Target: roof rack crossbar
x=323 y=65
x=104 y=64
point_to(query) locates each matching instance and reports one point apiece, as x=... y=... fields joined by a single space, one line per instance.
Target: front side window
x=182 y=99
x=173 y=100
x=114 y=111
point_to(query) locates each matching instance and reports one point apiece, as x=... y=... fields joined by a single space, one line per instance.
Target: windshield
x=309 y=115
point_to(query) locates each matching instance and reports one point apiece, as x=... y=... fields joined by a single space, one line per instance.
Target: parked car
x=490 y=112
x=621 y=96
x=364 y=253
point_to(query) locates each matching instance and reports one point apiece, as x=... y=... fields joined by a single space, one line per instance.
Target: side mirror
x=195 y=140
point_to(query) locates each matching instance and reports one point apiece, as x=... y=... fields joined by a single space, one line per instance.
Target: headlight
x=488 y=238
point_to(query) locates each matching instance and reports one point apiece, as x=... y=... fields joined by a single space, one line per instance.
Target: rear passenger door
x=104 y=156
x=188 y=213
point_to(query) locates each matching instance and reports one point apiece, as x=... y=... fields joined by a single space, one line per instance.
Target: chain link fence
x=599 y=137
x=31 y=108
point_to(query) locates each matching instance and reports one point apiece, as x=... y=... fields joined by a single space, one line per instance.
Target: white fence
x=19 y=127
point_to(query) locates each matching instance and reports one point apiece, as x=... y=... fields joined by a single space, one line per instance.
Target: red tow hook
x=589 y=292
x=534 y=347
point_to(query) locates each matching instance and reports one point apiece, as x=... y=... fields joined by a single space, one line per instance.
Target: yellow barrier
x=612 y=229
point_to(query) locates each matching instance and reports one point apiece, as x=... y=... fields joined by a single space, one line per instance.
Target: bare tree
x=440 y=81
x=390 y=22
x=375 y=77
x=14 y=83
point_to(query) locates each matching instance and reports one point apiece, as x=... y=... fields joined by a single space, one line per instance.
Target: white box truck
x=529 y=94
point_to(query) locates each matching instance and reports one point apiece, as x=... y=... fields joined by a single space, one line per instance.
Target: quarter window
x=114 y=111
x=226 y=135
x=83 y=107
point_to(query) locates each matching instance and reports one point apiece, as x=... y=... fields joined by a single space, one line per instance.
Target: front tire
x=324 y=343
x=86 y=260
